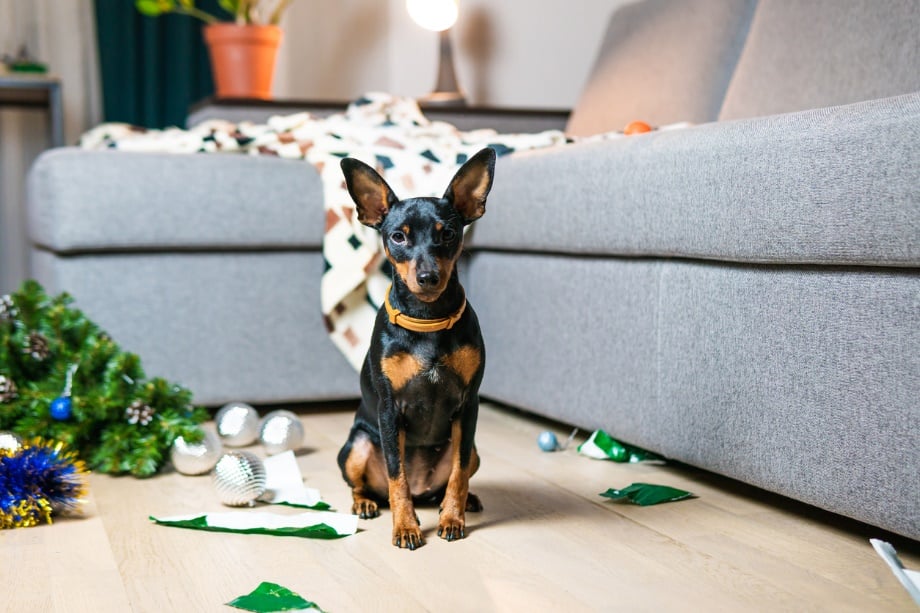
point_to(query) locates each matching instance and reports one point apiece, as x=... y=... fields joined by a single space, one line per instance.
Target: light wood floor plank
x=546 y=540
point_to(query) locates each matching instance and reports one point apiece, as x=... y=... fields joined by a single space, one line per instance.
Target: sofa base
x=799 y=380
x=227 y=325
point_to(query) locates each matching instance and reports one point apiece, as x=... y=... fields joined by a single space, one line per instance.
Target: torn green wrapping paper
x=284 y=484
x=646 y=494
x=272 y=597
x=601 y=446
x=319 y=525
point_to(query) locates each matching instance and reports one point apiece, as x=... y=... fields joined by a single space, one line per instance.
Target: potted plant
x=242 y=45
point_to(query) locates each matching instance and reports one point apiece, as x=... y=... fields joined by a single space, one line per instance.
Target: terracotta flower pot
x=242 y=58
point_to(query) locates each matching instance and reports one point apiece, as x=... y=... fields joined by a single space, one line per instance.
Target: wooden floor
x=546 y=541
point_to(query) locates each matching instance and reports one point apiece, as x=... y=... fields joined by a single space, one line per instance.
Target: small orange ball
x=636 y=127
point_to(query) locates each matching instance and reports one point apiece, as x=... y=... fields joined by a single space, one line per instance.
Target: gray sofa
x=742 y=295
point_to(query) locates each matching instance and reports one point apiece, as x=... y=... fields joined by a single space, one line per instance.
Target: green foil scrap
x=646 y=494
x=318 y=525
x=602 y=446
x=272 y=597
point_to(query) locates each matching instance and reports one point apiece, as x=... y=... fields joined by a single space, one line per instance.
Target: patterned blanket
x=416 y=156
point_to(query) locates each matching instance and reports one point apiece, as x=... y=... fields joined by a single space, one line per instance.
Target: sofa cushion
x=79 y=201
x=662 y=62
x=832 y=186
x=817 y=53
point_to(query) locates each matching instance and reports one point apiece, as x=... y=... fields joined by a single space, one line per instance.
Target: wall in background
x=518 y=53
x=61 y=34
x=510 y=53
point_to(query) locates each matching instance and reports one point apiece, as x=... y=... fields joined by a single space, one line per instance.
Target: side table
x=503 y=120
x=36 y=91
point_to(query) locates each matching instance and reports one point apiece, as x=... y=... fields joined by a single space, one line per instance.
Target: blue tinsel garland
x=39 y=479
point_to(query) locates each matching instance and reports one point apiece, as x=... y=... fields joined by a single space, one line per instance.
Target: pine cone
x=37 y=347
x=7 y=308
x=139 y=413
x=8 y=391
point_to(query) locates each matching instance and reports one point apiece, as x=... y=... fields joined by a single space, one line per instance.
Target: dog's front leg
x=452 y=520
x=406 y=529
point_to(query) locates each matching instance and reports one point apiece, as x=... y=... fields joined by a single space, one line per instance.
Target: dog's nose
x=427 y=278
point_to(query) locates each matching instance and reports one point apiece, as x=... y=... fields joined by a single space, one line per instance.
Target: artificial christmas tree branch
x=64 y=378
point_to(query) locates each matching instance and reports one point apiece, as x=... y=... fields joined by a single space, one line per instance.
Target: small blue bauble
x=61 y=408
x=547 y=441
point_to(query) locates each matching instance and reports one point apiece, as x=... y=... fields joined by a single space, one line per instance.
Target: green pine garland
x=120 y=421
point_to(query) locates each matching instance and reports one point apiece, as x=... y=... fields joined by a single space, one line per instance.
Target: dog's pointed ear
x=470 y=186
x=373 y=197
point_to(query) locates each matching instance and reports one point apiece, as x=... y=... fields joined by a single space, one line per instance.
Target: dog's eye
x=398 y=238
x=447 y=235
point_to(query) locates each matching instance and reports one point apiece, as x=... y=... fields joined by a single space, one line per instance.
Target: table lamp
x=439 y=16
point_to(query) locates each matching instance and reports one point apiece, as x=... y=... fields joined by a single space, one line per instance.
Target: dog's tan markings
x=400 y=368
x=403 y=269
x=438 y=226
x=464 y=361
x=406 y=531
x=362 y=469
x=452 y=521
x=405 y=230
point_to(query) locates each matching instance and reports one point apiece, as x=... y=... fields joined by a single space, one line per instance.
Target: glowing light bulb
x=434 y=15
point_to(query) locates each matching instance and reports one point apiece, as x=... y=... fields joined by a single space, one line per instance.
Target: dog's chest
x=429 y=389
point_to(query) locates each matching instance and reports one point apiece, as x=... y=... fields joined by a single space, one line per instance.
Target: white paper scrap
x=910 y=579
x=285 y=481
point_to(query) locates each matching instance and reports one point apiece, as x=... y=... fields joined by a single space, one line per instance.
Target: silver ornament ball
x=281 y=431
x=196 y=458
x=10 y=441
x=237 y=424
x=239 y=478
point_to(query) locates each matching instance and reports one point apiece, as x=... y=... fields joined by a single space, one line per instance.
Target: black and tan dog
x=413 y=436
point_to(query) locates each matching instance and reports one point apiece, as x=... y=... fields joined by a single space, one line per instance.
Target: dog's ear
x=470 y=186
x=373 y=197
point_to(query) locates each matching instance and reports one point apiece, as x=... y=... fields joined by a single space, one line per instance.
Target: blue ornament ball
x=61 y=408
x=547 y=441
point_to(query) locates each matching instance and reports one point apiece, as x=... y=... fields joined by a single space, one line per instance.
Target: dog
x=412 y=440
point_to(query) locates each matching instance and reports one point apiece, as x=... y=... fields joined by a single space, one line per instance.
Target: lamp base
x=442 y=99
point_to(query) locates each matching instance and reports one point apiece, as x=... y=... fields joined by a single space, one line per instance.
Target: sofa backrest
x=663 y=61
x=806 y=54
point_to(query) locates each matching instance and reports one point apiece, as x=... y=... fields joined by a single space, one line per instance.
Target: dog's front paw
x=451 y=528
x=408 y=536
x=365 y=509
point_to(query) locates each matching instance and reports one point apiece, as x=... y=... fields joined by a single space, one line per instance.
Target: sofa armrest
x=837 y=185
x=112 y=200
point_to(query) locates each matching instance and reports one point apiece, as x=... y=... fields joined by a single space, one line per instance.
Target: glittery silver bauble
x=239 y=477
x=10 y=441
x=237 y=424
x=281 y=431
x=196 y=458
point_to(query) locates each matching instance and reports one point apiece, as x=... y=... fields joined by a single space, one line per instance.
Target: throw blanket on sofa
x=417 y=157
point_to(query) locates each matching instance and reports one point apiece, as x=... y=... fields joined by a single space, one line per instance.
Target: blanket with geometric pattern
x=416 y=156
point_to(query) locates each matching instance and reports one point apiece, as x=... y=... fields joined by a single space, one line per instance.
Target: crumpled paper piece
x=910 y=579
x=284 y=484
x=602 y=446
x=647 y=494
